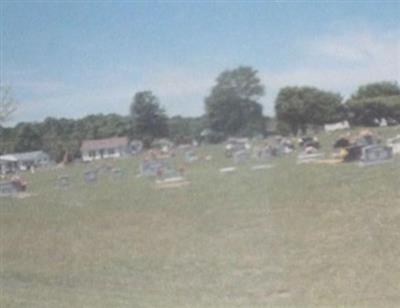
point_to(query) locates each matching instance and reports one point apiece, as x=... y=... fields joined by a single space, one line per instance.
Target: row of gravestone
x=147 y=168
x=366 y=156
x=90 y=176
x=369 y=155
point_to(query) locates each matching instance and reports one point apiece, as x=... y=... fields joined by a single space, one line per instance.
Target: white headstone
x=261 y=167
x=227 y=169
x=395 y=144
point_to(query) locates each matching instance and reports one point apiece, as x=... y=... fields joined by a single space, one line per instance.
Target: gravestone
x=227 y=170
x=236 y=145
x=395 y=144
x=151 y=168
x=304 y=158
x=170 y=178
x=265 y=153
x=117 y=174
x=8 y=189
x=241 y=156
x=261 y=167
x=104 y=169
x=375 y=154
x=190 y=157
x=90 y=176
x=63 y=182
x=172 y=182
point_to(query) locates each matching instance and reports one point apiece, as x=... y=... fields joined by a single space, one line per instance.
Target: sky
x=74 y=58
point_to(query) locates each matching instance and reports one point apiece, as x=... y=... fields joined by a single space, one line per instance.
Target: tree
x=299 y=107
x=377 y=89
x=232 y=106
x=184 y=130
x=369 y=111
x=27 y=138
x=373 y=102
x=148 y=118
x=8 y=104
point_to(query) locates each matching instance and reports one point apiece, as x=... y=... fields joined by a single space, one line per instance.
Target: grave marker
x=63 y=181
x=375 y=154
x=150 y=168
x=190 y=157
x=305 y=158
x=241 y=156
x=13 y=187
x=227 y=169
x=395 y=144
x=90 y=176
x=117 y=174
x=8 y=189
x=265 y=153
x=261 y=167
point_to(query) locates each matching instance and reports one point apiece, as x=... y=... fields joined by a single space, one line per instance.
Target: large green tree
x=377 y=89
x=299 y=107
x=27 y=138
x=374 y=102
x=370 y=111
x=232 y=107
x=149 y=120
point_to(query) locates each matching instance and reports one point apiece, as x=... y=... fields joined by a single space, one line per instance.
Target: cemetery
x=199 y=154
x=184 y=221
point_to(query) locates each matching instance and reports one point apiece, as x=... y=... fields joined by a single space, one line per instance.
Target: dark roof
x=108 y=143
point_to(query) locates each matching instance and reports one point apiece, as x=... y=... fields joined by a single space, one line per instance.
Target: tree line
x=232 y=108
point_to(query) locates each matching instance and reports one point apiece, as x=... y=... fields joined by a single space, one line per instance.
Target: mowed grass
x=294 y=235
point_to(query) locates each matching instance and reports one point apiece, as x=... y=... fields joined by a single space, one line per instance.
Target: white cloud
x=341 y=63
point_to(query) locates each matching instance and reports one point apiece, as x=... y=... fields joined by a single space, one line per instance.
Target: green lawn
x=300 y=236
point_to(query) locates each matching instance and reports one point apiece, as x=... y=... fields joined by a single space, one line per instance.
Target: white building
x=336 y=126
x=105 y=148
x=23 y=161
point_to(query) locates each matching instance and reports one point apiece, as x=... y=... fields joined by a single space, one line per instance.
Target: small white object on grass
x=174 y=182
x=227 y=169
x=261 y=167
x=309 y=158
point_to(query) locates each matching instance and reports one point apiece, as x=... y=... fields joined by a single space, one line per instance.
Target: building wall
x=103 y=154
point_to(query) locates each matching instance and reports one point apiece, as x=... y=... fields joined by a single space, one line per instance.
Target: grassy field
x=294 y=235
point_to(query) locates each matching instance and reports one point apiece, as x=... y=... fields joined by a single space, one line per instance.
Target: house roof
x=27 y=156
x=109 y=143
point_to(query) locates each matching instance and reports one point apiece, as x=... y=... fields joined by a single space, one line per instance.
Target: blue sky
x=69 y=59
